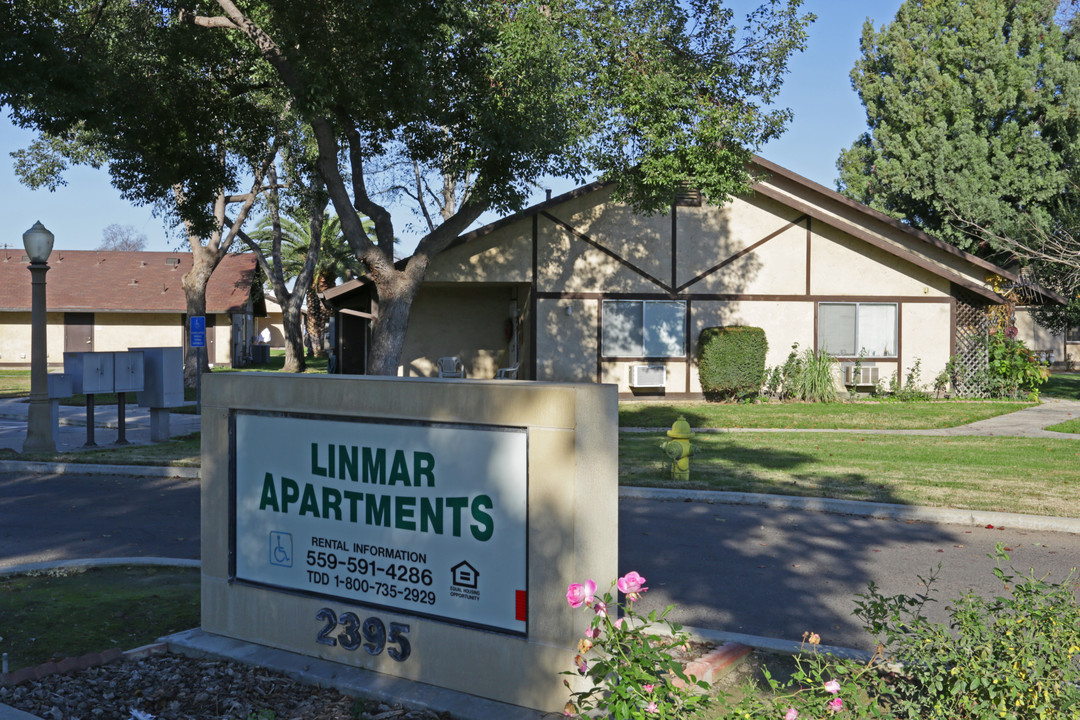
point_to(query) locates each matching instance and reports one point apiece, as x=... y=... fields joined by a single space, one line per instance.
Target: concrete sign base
x=421 y=528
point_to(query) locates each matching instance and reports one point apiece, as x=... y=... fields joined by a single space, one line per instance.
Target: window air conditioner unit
x=868 y=375
x=648 y=376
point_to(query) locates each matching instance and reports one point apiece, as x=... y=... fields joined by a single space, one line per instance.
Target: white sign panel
x=427 y=519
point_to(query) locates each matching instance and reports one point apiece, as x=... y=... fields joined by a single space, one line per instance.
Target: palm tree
x=335 y=261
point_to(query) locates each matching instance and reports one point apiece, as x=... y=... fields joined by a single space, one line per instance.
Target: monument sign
x=426 y=529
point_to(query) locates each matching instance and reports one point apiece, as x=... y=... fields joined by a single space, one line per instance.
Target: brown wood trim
x=641 y=359
x=877 y=242
x=720 y=297
x=534 y=350
x=610 y=253
x=809 y=232
x=952 y=328
x=865 y=358
x=599 y=339
x=689 y=352
x=881 y=217
x=745 y=251
x=899 y=344
x=674 y=247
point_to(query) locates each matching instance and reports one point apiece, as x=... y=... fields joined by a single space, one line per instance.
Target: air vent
x=648 y=376
x=688 y=197
x=172 y=261
x=868 y=375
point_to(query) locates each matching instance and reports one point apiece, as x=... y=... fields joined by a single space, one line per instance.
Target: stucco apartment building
x=582 y=288
x=111 y=300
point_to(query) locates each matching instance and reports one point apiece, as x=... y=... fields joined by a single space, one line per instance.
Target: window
x=1072 y=334
x=644 y=328
x=851 y=329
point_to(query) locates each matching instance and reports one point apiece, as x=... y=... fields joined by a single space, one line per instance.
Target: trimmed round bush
x=731 y=361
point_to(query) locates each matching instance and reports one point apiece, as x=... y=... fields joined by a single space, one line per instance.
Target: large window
x=644 y=328
x=1072 y=334
x=852 y=329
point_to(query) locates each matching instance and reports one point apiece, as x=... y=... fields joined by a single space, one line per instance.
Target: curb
x=92 y=469
x=945 y=516
x=96 y=562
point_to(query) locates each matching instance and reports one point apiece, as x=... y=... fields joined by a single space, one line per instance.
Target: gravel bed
x=173 y=687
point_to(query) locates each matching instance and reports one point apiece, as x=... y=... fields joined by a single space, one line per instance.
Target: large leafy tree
x=188 y=127
x=488 y=95
x=973 y=110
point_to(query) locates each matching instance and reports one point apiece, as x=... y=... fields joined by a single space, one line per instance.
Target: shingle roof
x=113 y=281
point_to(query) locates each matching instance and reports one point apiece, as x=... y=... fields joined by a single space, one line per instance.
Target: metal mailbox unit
x=92 y=373
x=163 y=387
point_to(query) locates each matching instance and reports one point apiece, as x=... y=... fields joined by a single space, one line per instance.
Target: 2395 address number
x=371 y=634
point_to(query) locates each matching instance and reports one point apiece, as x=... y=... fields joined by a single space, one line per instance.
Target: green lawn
x=1069 y=426
x=860 y=415
x=53 y=615
x=14 y=383
x=1040 y=477
x=1065 y=386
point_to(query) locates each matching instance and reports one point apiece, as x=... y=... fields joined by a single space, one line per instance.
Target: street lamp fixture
x=38 y=242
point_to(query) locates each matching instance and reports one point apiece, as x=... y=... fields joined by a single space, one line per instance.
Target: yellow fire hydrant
x=679 y=449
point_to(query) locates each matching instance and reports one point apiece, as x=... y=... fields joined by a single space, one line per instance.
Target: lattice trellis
x=972 y=360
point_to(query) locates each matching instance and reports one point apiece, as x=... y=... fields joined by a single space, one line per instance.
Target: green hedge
x=731 y=361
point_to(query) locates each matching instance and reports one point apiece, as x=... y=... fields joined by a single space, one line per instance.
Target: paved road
x=779 y=573
x=773 y=573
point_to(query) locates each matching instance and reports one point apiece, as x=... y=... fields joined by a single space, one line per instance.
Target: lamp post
x=38 y=242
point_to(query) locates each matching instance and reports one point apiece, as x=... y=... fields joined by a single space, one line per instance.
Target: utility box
x=127 y=372
x=163 y=376
x=90 y=372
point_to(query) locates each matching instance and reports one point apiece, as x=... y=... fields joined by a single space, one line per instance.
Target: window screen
x=851 y=329
x=644 y=328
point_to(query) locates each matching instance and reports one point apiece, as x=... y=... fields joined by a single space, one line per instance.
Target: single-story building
x=112 y=300
x=583 y=289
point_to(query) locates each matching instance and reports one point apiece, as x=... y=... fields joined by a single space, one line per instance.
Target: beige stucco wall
x=784 y=323
x=15 y=338
x=567 y=343
x=924 y=336
x=114 y=332
x=567 y=264
x=843 y=265
x=1037 y=337
x=572 y=505
x=504 y=255
x=467 y=320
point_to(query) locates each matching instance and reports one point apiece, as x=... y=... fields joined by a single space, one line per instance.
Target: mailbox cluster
x=155 y=374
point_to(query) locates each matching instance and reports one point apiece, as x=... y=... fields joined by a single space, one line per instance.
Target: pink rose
x=632 y=585
x=592 y=633
x=836 y=704
x=791 y=714
x=582 y=666
x=651 y=708
x=600 y=607
x=832 y=687
x=648 y=687
x=619 y=623
x=578 y=594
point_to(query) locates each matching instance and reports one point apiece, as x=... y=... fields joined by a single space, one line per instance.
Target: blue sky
x=828 y=117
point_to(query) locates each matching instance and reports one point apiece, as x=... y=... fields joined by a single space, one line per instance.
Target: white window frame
x=644 y=341
x=894 y=345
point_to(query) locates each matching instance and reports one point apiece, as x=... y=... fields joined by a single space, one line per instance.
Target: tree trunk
x=294 y=339
x=194 y=284
x=316 y=316
x=396 y=297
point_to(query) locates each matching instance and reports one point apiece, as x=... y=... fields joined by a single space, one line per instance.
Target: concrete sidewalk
x=72 y=430
x=1029 y=422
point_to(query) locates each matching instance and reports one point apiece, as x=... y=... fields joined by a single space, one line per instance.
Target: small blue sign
x=281 y=549
x=197 y=331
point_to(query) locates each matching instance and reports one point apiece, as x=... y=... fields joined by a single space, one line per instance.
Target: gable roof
x=115 y=281
x=769 y=187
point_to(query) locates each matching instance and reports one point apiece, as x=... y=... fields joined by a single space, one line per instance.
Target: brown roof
x=113 y=281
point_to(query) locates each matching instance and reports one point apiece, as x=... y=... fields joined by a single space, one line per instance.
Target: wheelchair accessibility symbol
x=281 y=549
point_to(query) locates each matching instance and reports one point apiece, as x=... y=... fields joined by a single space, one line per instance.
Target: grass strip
x=1069 y=426
x=180 y=451
x=1024 y=475
x=66 y=613
x=859 y=415
x=1065 y=386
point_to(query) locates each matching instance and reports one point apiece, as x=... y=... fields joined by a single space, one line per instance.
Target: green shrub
x=731 y=361
x=1014 y=369
x=814 y=381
